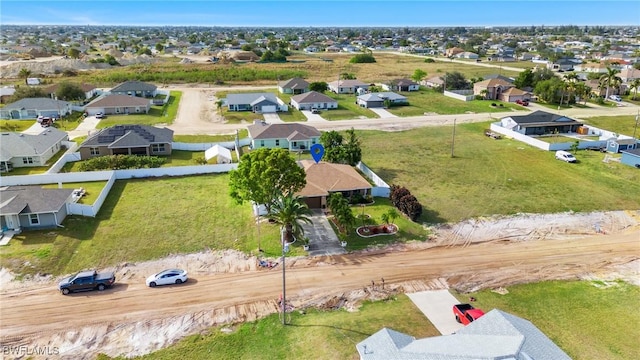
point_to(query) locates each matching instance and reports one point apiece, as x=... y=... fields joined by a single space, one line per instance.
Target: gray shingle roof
x=17 y=144
x=295 y=83
x=108 y=101
x=37 y=104
x=262 y=131
x=32 y=200
x=496 y=335
x=129 y=135
x=402 y=82
x=248 y=98
x=539 y=117
x=381 y=96
x=134 y=86
x=312 y=97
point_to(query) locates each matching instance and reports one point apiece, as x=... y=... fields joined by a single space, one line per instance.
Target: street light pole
x=284 y=287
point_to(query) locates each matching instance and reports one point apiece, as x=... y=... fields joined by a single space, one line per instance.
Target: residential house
x=33 y=207
x=31 y=108
x=467 y=55
x=563 y=64
x=435 y=81
x=29 y=150
x=401 y=85
x=324 y=178
x=377 y=100
x=631 y=157
x=600 y=67
x=514 y=94
x=621 y=143
x=256 y=102
x=293 y=86
x=128 y=140
x=88 y=89
x=347 y=86
x=491 y=89
x=313 y=99
x=451 y=52
x=540 y=123
x=118 y=104
x=498 y=76
x=627 y=75
x=290 y=136
x=135 y=88
x=6 y=92
x=526 y=56
x=496 y=335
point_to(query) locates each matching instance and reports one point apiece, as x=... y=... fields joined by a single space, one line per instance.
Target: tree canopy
x=319 y=86
x=68 y=91
x=336 y=150
x=263 y=174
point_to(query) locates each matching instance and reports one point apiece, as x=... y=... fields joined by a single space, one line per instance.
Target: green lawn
x=431 y=101
x=16 y=125
x=92 y=190
x=243 y=133
x=619 y=124
x=588 y=320
x=157 y=115
x=36 y=169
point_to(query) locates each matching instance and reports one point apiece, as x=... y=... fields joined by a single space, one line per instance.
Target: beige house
x=494 y=88
x=514 y=94
x=324 y=178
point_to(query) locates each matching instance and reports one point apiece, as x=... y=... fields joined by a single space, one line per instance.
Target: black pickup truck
x=86 y=281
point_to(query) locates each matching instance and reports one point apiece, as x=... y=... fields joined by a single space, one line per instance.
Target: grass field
x=619 y=124
x=585 y=321
x=92 y=190
x=157 y=115
x=16 y=125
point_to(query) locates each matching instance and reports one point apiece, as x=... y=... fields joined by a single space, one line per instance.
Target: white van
x=565 y=156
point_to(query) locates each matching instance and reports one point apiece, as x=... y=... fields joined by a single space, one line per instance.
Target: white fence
x=545 y=145
x=464 y=95
x=382 y=189
x=69 y=156
x=204 y=146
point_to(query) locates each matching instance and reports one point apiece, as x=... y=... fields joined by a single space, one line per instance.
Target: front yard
x=157 y=115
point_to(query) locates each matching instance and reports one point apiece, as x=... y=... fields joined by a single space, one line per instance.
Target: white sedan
x=166 y=277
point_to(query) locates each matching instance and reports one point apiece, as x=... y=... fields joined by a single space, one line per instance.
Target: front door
x=12 y=222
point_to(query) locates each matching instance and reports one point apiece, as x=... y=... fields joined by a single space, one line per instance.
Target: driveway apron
x=322 y=239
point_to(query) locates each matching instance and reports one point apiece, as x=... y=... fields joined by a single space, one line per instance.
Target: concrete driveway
x=437 y=306
x=313 y=117
x=383 y=113
x=272 y=118
x=322 y=239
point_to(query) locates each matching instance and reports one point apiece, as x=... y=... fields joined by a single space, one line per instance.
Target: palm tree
x=610 y=78
x=289 y=211
x=24 y=73
x=635 y=85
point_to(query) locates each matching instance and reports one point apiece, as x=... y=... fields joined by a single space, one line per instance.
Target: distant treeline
x=216 y=75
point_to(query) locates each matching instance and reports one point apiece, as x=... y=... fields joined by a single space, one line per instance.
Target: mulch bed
x=375 y=230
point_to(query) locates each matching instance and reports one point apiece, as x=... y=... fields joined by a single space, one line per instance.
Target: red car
x=522 y=102
x=466 y=313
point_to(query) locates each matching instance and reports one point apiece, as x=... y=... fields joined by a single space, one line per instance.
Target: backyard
x=157 y=114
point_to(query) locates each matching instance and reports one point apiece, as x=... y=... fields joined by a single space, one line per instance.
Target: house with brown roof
x=401 y=85
x=313 y=99
x=514 y=94
x=324 y=178
x=493 y=87
x=118 y=104
x=291 y=136
x=293 y=86
x=128 y=140
x=433 y=81
x=453 y=51
x=88 y=89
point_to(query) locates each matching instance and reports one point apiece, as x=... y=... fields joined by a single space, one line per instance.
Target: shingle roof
x=37 y=104
x=348 y=83
x=514 y=91
x=32 y=199
x=312 y=97
x=381 y=96
x=540 y=117
x=262 y=131
x=325 y=177
x=632 y=151
x=402 y=82
x=134 y=86
x=248 y=98
x=17 y=144
x=295 y=83
x=493 y=83
x=108 y=101
x=129 y=135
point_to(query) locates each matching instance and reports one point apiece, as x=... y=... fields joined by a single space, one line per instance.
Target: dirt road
x=41 y=315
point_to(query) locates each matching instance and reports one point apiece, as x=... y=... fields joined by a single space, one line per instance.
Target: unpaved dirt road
x=41 y=315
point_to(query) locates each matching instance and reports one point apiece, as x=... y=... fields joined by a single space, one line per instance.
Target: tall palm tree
x=635 y=85
x=289 y=211
x=610 y=78
x=24 y=73
x=571 y=80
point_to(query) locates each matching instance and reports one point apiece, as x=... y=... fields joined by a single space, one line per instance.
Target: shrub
x=120 y=162
x=429 y=60
x=362 y=58
x=493 y=104
x=397 y=193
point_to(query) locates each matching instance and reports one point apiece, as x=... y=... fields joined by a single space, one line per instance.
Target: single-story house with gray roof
x=313 y=99
x=377 y=100
x=496 y=335
x=118 y=104
x=28 y=150
x=256 y=102
x=350 y=86
x=128 y=140
x=88 y=89
x=135 y=88
x=291 y=136
x=401 y=85
x=540 y=123
x=33 y=207
x=31 y=108
x=293 y=86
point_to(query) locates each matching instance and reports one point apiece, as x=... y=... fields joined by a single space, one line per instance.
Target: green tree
x=352 y=150
x=290 y=211
x=455 y=81
x=159 y=47
x=263 y=174
x=319 y=86
x=610 y=78
x=418 y=75
x=362 y=59
x=24 y=74
x=68 y=92
x=549 y=90
x=73 y=53
x=332 y=142
x=635 y=85
x=524 y=79
x=23 y=92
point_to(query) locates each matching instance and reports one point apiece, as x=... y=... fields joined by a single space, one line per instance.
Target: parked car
x=522 y=102
x=86 y=281
x=99 y=115
x=615 y=97
x=315 y=111
x=565 y=156
x=466 y=313
x=166 y=277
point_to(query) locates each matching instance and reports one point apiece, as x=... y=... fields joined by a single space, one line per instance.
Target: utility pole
x=635 y=128
x=284 y=287
x=453 y=136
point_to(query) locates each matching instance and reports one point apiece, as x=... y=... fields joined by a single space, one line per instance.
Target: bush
x=493 y=104
x=362 y=58
x=120 y=162
x=402 y=199
x=429 y=60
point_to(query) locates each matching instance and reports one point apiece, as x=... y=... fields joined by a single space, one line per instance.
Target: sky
x=327 y=13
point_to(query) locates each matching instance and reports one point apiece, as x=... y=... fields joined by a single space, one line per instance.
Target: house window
x=278 y=142
x=313 y=141
x=94 y=151
x=157 y=147
x=27 y=160
x=34 y=219
x=295 y=144
x=261 y=143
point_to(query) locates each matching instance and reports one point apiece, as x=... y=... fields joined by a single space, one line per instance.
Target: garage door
x=269 y=109
x=313 y=202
